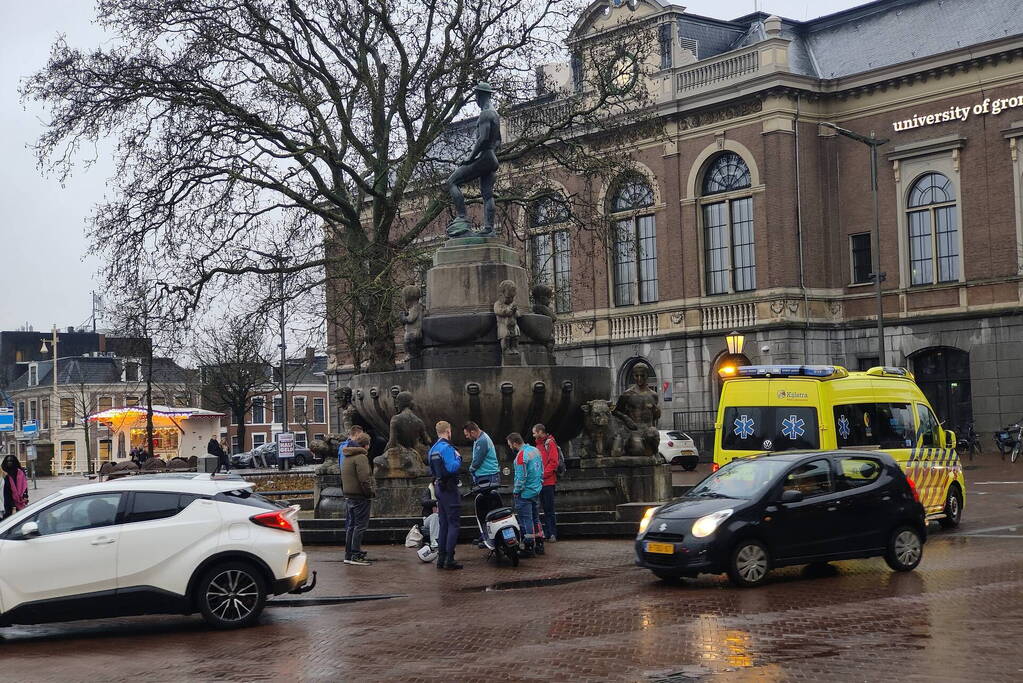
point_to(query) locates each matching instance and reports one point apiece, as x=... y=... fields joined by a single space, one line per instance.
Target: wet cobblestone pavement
x=584 y=612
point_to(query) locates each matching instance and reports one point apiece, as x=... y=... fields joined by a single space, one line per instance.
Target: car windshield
x=30 y=509
x=739 y=479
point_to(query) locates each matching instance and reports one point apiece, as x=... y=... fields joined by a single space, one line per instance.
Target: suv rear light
x=671 y=444
x=912 y=487
x=275 y=519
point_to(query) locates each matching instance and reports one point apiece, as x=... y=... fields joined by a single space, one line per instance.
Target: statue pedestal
x=399 y=463
x=601 y=484
x=400 y=497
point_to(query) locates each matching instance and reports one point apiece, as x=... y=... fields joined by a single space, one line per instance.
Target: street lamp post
x=54 y=400
x=873 y=143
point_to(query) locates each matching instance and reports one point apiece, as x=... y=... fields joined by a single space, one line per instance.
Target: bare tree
x=268 y=124
x=233 y=359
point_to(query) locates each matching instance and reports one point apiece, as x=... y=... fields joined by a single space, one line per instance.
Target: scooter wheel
x=513 y=554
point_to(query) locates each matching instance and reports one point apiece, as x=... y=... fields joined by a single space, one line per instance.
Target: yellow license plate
x=660 y=548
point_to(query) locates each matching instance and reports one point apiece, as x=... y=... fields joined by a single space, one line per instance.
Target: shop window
x=635 y=243
x=933 y=231
x=319 y=411
x=68 y=456
x=860 y=258
x=729 y=248
x=943 y=374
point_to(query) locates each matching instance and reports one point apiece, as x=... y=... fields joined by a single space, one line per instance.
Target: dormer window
x=33 y=375
x=131 y=371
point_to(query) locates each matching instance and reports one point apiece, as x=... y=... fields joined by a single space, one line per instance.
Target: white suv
x=153 y=544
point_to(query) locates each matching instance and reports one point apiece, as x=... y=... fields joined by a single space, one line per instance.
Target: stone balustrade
x=563 y=333
x=713 y=72
x=729 y=316
x=635 y=326
x=538 y=118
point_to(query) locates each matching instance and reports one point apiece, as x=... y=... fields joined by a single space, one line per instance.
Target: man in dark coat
x=214 y=448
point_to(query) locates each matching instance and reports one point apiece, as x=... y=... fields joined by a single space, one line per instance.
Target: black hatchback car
x=769 y=511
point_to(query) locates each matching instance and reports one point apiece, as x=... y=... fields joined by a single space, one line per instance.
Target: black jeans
x=356 y=521
x=550 y=518
x=450 y=504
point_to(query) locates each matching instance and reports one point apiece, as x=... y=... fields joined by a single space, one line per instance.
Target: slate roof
x=97 y=370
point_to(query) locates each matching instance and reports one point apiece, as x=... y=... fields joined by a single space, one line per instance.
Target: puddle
x=528 y=583
x=329 y=600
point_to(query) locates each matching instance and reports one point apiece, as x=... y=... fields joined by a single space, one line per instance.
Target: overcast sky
x=45 y=278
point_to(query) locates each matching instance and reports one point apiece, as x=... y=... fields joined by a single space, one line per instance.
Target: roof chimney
x=70 y=329
x=772 y=26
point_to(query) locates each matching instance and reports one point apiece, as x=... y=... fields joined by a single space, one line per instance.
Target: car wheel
x=299 y=460
x=953 y=509
x=750 y=563
x=905 y=549
x=231 y=595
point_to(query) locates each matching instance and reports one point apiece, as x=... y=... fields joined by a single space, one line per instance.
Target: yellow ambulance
x=773 y=408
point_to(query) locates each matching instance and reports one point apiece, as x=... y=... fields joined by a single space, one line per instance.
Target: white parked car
x=150 y=544
x=678 y=448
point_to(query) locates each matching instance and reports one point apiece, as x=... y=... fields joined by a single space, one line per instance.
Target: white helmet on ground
x=427 y=553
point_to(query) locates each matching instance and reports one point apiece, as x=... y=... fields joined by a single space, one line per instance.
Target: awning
x=163 y=416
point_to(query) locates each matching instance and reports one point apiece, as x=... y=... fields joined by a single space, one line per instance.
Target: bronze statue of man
x=480 y=164
x=640 y=410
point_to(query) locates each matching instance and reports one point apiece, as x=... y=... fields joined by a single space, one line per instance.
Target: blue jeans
x=356 y=521
x=494 y=478
x=525 y=509
x=550 y=518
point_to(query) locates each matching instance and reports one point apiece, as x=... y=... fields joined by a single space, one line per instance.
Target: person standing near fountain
x=528 y=482
x=484 y=468
x=445 y=462
x=550 y=455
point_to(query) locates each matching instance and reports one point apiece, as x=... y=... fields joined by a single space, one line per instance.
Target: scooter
x=498 y=525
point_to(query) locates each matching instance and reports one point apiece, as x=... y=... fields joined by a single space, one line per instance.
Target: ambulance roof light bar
x=889 y=371
x=816 y=371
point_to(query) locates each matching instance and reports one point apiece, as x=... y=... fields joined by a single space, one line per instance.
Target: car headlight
x=708 y=524
x=645 y=522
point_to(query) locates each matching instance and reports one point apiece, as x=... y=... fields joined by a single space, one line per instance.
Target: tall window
x=67 y=412
x=44 y=408
x=299 y=403
x=730 y=251
x=635 y=243
x=278 y=409
x=33 y=375
x=258 y=410
x=664 y=31
x=933 y=231
x=861 y=258
x=319 y=411
x=32 y=414
x=104 y=403
x=551 y=252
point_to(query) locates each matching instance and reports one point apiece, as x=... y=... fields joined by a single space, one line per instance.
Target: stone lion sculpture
x=606 y=434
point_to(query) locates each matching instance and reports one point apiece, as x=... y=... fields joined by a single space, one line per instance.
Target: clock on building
x=621 y=73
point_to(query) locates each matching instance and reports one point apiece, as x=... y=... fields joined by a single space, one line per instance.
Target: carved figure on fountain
x=349 y=414
x=507 y=312
x=412 y=319
x=639 y=408
x=606 y=434
x=407 y=444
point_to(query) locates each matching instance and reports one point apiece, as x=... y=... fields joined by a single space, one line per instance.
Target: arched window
x=635 y=242
x=729 y=248
x=933 y=231
x=550 y=250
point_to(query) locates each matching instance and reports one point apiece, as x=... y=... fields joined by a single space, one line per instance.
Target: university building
x=747 y=214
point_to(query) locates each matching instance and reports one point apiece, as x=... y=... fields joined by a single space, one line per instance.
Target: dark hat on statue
x=483 y=86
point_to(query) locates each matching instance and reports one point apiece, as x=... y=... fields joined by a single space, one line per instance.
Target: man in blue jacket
x=528 y=482
x=484 y=468
x=445 y=462
x=353 y=435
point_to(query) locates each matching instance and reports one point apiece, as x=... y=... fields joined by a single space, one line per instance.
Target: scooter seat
x=498 y=513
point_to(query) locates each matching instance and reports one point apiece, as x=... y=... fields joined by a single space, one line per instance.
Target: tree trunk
x=149 y=400
x=239 y=416
x=378 y=308
x=88 y=445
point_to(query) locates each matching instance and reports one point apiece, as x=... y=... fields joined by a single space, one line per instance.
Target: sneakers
x=359 y=560
x=451 y=564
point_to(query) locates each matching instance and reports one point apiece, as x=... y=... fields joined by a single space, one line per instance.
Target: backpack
x=562 y=467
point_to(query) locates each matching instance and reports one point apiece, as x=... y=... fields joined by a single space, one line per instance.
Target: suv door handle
x=103 y=541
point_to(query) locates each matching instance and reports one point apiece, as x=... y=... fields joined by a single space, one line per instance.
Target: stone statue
x=412 y=318
x=606 y=434
x=407 y=444
x=542 y=297
x=639 y=407
x=507 y=312
x=348 y=412
x=481 y=163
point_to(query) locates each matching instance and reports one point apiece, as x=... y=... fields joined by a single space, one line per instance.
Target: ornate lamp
x=735 y=342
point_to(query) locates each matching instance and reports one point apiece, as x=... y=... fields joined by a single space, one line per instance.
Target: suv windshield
x=739 y=479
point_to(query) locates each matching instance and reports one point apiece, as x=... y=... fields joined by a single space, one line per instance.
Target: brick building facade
x=747 y=214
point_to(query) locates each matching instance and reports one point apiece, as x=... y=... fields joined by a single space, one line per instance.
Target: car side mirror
x=791 y=496
x=950 y=439
x=29 y=530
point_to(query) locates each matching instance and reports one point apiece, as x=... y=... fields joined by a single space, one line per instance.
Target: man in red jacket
x=549 y=454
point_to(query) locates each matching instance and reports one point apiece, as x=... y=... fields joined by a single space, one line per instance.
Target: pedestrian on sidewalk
x=484 y=468
x=445 y=463
x=359 y=489
x=215 y=449
x=550 y=455
x=15 y=485
x=353 y=434
x=526 y=489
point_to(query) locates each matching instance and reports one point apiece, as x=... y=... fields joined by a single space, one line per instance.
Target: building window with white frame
x=32 y=414
x=550 y=248
x=258 y=439
x=33 y=375
x=258 y=410
x=299 y=403
x=933 y=230
x=300 y=440
x=319 y=411
x=727 y=210
x=860 y=258
x=278 y=409
x=634 y=256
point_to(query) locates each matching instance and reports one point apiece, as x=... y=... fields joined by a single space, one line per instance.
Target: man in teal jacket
x=484 y=468
x=528 y=482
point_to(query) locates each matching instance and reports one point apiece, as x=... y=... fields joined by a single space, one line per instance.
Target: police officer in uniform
x=445 y=462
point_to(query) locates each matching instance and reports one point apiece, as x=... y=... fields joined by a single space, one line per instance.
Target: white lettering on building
x=959 y=113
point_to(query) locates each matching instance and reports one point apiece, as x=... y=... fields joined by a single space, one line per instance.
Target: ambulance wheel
x=953 y=508
x=512 y=552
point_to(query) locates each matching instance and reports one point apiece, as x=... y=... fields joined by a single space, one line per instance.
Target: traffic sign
x=286 y=445
x=6 y=420
x=30 y=428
